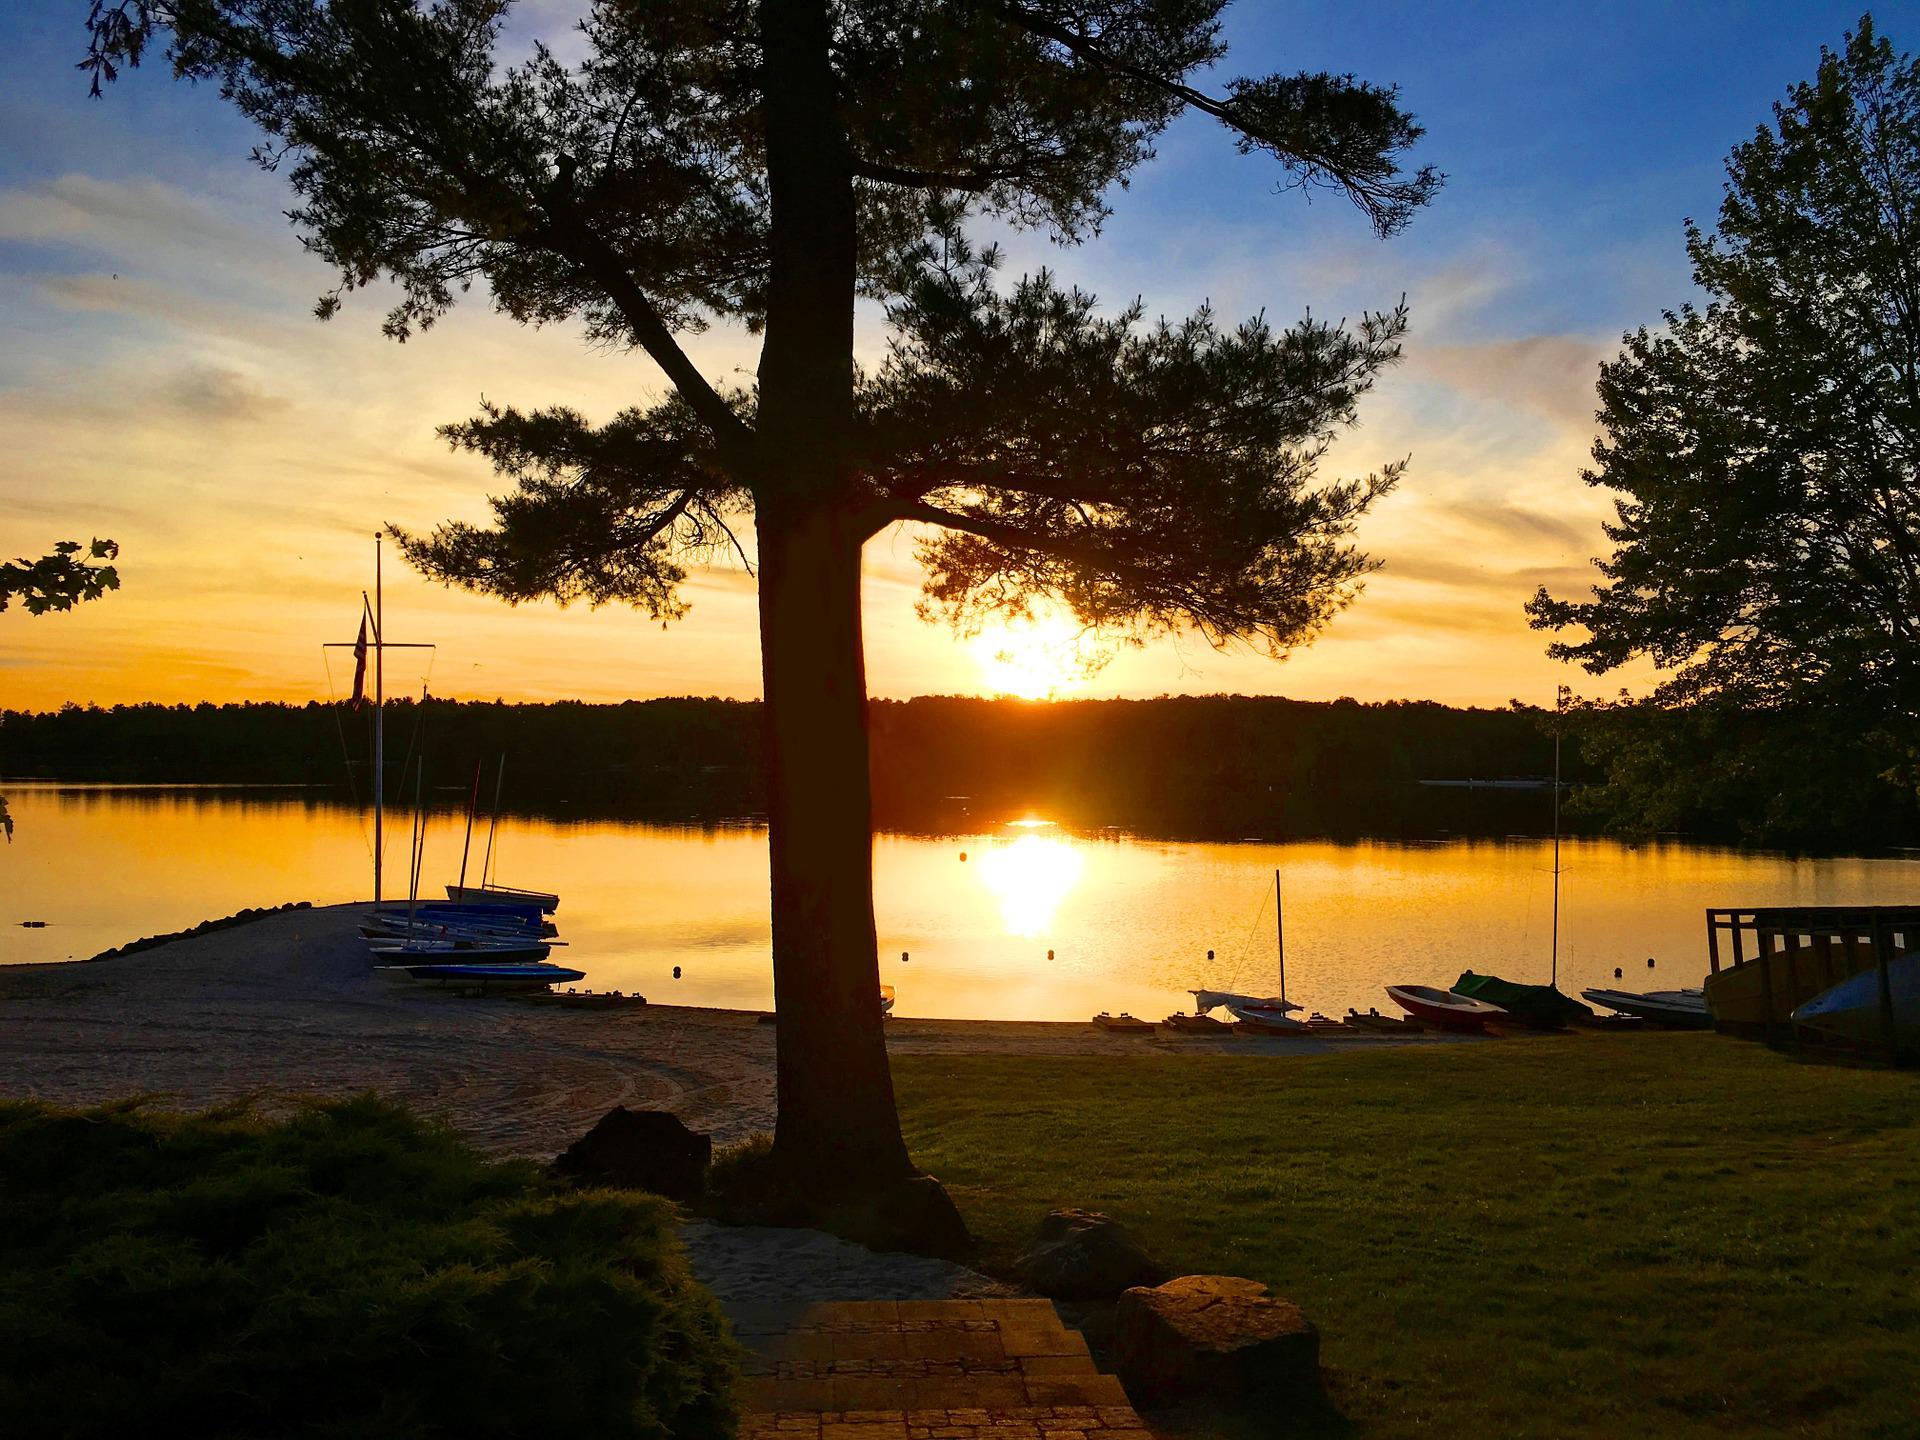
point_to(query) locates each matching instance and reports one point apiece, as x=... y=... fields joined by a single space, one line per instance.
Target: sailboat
x=1256 y=1014
x=1540 y=1006
x=492 y=891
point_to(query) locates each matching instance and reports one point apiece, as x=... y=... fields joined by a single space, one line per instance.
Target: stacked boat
x=476 y=946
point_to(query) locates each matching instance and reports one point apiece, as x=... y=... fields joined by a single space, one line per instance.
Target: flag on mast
x=360 y=665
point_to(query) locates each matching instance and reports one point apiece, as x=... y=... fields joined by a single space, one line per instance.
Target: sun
x=1035 y=657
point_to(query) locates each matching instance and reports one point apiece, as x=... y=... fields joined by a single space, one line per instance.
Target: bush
x=352 y=1271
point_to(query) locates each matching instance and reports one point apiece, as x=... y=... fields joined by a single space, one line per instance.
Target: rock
x=1215 y=1335
x=639 y=1150
x=1084 y=1255
x=914 y=1214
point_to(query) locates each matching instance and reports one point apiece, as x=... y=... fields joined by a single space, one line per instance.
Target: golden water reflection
x=1037 y=923
x=1030 y=877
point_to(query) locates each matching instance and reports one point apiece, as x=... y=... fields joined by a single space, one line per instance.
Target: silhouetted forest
x=1217 y=766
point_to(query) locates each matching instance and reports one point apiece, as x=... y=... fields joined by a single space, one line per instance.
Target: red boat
x=1443 y=1008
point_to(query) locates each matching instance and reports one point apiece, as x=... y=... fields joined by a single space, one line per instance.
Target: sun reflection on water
x=1031 y=876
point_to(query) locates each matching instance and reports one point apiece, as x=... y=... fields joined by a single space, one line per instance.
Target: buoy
x=1049 y=954
x=1616 y=972
x=903 y=957
x=1209 y=954
x=1649 y=962
x=963 y=857
x=676 y=972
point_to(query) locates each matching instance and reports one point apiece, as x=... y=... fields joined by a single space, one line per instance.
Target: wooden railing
x=1831 y=942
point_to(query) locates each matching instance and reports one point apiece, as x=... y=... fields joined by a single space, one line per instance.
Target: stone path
x=992 y=1369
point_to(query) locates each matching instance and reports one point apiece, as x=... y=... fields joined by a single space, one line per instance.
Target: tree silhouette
x=59 y=580
x=1766 y=448
x=767 y=164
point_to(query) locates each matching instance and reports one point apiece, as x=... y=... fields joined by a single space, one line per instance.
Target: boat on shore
x=1854 y=1010
x=1443 y=1008
x=1668 y=1009
x=1541 y=1006
x=425 y=949
x=1264 y=1017
x=1123 y=1024
x=490 y=893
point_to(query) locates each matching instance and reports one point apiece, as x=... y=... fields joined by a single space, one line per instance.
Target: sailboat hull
x=507 y=894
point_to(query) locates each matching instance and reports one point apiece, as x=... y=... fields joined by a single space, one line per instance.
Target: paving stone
x=926 y=1370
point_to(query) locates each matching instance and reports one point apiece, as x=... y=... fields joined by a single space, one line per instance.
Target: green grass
x=353 y=1271
x=1644 y=1235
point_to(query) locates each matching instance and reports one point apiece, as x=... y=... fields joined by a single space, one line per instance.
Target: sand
x=286 y=1007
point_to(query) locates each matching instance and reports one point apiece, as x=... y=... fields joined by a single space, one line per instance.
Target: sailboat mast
x=379 y=724
x=466 y=846
x=1559 y=705
x=493 y=824
x=1280 y=933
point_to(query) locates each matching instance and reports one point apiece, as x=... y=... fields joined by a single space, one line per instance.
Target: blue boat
x=1852 y=1009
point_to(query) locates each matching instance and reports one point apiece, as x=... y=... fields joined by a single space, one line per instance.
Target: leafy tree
x=58 y=581
x=765 y=164
x=61 y=580
x=1766 y=448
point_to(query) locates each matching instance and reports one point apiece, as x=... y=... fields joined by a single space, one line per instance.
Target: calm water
x=1128 y=920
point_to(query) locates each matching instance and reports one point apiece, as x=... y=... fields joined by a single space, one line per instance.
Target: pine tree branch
x=575 y=238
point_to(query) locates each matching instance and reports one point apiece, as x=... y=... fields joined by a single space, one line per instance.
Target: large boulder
x=639 y=1150
x=1215 y=1335
x=1084 y=1255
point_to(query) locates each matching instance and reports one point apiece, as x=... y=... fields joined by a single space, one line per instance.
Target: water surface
x=1024 y=922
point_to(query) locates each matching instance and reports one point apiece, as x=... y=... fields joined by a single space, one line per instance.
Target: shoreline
x=283 y=1007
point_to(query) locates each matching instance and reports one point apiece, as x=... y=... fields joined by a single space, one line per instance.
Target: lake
x=1026 y=921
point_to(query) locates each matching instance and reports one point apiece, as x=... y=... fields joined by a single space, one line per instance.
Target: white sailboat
x=1264 y=1014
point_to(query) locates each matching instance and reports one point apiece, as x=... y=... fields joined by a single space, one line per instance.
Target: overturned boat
x=1856 y=1010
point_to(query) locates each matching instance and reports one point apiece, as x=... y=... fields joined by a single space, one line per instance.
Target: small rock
x=1215 y=1335
x=639 y=1150
x=1084 y=1255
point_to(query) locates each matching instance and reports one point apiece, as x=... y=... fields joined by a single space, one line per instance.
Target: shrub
x=352 y=1271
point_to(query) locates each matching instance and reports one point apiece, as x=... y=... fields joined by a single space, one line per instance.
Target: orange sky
x=162 y=382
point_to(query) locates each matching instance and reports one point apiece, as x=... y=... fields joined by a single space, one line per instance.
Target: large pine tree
x=767 y=163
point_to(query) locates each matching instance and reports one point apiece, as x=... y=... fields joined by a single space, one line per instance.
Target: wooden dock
x=1767 y=961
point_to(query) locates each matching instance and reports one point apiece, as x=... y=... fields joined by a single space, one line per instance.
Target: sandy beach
x=286 y=1006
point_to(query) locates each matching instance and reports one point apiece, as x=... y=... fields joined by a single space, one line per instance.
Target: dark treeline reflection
x=1219 y=767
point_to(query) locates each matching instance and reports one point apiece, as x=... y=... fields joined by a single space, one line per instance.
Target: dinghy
x=1852 y=1009
x=1262 y=1017
x=497 y=894
x=1541 y=1006
x=412 y=949
x=1443 y=1008
x=1669 y=1009
x=1123 y=1024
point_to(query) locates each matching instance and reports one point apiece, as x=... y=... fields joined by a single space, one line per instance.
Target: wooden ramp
x=925 y=1370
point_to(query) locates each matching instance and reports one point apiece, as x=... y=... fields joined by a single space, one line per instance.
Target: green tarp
x=1539 y=1004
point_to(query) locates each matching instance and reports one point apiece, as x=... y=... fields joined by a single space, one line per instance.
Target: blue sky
x=160 y=378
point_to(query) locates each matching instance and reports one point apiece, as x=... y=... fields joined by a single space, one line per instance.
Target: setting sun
x=1035 y=657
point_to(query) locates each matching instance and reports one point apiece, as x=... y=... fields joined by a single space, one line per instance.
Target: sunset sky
x=162 y=380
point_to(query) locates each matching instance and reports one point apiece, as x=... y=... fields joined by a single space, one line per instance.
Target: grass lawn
x=1626 y=1235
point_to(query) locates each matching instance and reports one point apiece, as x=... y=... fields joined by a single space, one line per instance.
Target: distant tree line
x=1216 y=766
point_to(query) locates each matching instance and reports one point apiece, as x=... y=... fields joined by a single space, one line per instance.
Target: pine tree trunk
x=837 y=1130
